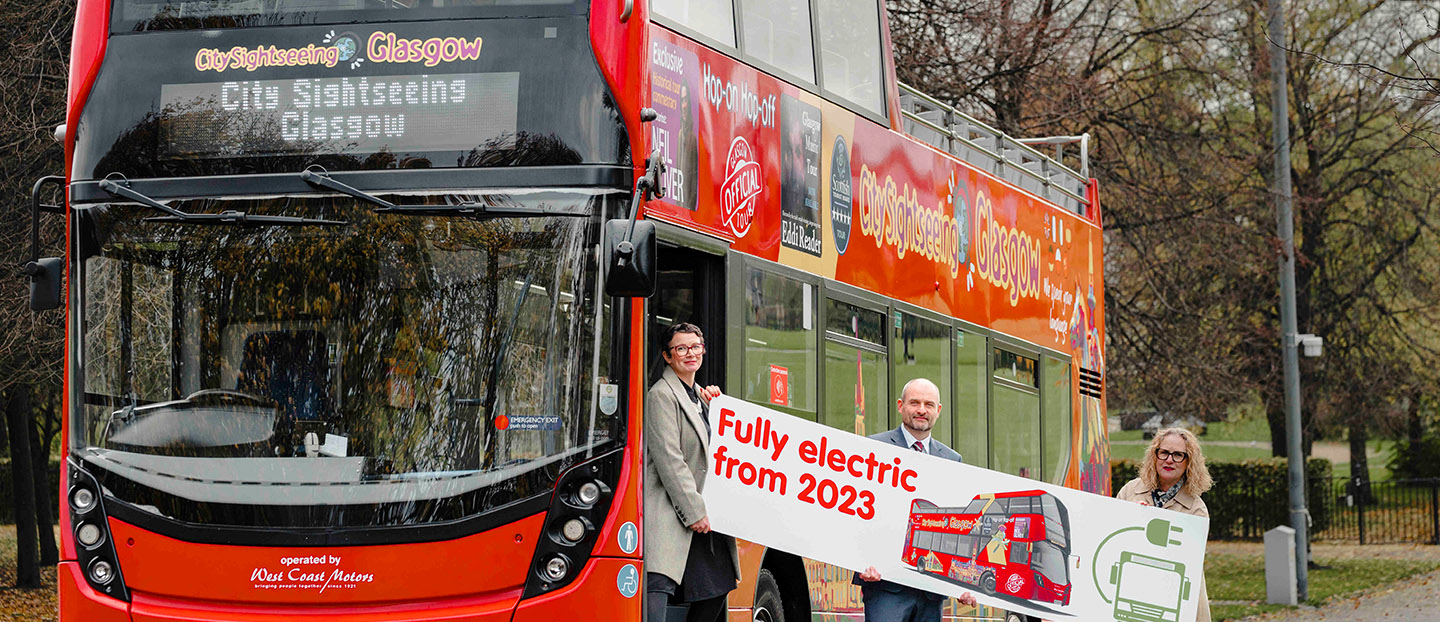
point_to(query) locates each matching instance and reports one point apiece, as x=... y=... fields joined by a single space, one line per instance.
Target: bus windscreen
x=1145 y=584
x=389 y=369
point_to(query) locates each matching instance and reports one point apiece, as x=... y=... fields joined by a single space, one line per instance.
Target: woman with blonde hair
x=1173 y=476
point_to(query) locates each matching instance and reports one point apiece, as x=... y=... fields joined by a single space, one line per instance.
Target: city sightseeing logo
x=742 y=186
x=380 y=47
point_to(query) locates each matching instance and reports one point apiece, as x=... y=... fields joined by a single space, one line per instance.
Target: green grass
x=1242 y=578
x=1239 y=429
x=1378 y=471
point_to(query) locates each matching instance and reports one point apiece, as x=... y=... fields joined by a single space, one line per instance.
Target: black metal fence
x=1387 y=512
x=1252 y=497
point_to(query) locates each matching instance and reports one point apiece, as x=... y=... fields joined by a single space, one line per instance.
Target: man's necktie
x=918 y=446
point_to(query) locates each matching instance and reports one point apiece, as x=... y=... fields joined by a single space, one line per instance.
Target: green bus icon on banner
x=1148 y=589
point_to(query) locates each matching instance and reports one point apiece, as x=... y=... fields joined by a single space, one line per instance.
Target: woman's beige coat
x=676 y=460
x=1137 y=492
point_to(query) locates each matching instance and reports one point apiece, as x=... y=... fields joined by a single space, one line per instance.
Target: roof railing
x=1012 y=159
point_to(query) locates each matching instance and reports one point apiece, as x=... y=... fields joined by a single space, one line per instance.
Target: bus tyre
x=1011 y=616
x=987 y=583
x=767 y=599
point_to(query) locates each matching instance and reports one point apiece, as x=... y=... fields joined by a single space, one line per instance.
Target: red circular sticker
x=742 y=185
x=502 y=422
x=1014 y=584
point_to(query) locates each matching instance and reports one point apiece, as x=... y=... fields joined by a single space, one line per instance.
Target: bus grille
x=1091 y=383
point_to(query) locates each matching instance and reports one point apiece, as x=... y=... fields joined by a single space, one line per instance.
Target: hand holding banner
x=946 y=527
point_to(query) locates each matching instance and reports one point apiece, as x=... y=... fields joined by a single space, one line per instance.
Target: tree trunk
x=1359 y=467
x=17 y=411
x=1414 y=426
x=1275 y=416
x=44 y=500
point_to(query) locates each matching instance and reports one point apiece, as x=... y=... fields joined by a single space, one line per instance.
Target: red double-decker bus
x=360 y=292
x=1015 y=544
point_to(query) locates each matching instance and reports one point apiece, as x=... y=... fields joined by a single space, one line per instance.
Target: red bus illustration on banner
x=1010 y=543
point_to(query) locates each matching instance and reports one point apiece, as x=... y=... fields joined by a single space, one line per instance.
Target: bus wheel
x=1011 y=616
x=987 y=583
x=767 y=599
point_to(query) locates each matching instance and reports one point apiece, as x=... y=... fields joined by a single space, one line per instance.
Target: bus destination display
x=349 y=115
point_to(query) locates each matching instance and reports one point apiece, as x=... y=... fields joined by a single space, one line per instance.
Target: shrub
x=1251 y=497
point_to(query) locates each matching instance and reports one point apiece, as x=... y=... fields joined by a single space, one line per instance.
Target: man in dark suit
x=919 y=407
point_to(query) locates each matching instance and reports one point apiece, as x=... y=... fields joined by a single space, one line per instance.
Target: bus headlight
x=556 y=568
x=588 y=493
x=89 y=534
x=573 y=530
x=83 y=500
x=101 y=572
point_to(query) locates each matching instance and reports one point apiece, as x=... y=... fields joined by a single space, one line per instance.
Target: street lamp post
x=1290 y=340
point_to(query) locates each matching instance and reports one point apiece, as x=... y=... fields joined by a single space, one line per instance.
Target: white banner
x=1017 y=544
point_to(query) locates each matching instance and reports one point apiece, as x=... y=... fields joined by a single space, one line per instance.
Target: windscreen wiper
x=324 y=180
x=227 y=217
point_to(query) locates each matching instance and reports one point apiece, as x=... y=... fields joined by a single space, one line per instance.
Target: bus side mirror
x=44 y=272
x=1185 y=591
x=629 y=258
x=45 y=278
x=1114 y=574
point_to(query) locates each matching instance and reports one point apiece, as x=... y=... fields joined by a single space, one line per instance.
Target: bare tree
x=34 y=45
x=1178 y=98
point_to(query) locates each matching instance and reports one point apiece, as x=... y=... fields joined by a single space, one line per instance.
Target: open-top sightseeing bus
x=357 y=296
x=1011 y=543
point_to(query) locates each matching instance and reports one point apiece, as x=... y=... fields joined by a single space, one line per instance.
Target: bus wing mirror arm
x=45 y=273
x=630 y=242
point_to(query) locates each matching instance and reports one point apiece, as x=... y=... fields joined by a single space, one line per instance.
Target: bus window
x=950 y=543
x=924 y=539
x=714 y=19
x=1057 y=535
x=1016 y=368
x=143 y=317
x=975 y=506
x=1020 y=505
x=1016 y=415
x=845 y=319
x=173 y=14
x=921 y=349
x=1051 y=563
x=1020 y=553
x=969 y=410
x=998 y=507
x=969 y=546
x=855 y=389
x=850 y=63
x=1056 y=419
x=779 y=341
x=778 y=32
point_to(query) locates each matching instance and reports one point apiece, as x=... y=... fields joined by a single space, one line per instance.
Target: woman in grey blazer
x=685 y=562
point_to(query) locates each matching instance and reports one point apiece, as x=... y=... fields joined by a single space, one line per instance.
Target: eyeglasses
x=1171 y=456
x=698 y=348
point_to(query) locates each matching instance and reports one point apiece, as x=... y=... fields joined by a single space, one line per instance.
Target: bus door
x=691 y=288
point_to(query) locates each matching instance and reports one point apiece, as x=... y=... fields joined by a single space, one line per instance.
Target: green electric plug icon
x=1159 y=530
x=1147 y=588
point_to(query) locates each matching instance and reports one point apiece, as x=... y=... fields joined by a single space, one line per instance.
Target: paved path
x=1414 y=600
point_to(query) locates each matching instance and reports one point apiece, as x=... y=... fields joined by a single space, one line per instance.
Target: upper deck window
x=707 y=17
x=850 y=61
x=778 y=32
x=188 y=14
